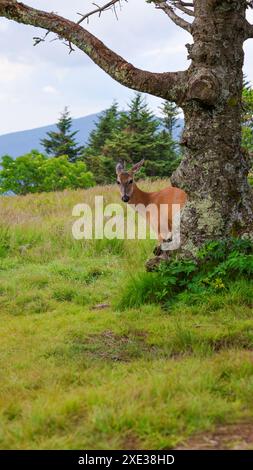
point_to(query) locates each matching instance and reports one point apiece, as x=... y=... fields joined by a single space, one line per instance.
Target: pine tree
x=104 y=128
x=169 y=158
x=130 y=136
x=140 y=136
x=136 y=136
x=170 y=114
x=62 y=141
x=94 y=154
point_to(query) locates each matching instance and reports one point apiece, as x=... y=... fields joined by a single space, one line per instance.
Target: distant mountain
x=19 y=143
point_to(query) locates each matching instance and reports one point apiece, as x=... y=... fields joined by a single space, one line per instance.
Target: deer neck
x=139 y=197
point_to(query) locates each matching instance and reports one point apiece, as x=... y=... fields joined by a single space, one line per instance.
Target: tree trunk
x=214 y=169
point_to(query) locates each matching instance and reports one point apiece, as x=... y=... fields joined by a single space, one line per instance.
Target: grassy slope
x=77 y=377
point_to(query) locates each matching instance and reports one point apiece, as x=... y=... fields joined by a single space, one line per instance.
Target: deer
x=140 y=200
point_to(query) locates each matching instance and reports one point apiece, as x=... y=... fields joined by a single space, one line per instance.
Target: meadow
x=81 y=370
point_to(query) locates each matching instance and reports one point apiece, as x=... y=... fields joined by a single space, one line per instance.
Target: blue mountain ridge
x=19 y=143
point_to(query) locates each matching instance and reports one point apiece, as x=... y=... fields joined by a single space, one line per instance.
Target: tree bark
x=214 y=169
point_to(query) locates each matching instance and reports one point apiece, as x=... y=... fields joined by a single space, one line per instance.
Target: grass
x=75 y=376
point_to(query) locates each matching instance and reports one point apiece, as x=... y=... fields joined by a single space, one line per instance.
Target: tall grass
x=78 y=373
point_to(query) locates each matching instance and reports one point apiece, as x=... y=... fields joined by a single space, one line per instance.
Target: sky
x=36 y=83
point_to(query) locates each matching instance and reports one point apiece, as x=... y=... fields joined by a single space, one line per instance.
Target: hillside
x=19 y=143
x=79 y=372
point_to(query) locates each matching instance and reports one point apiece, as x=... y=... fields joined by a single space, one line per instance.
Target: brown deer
x=130 y=193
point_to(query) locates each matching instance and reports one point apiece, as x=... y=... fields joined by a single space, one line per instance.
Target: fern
x=218 y=262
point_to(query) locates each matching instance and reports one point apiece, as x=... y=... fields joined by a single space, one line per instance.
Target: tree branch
x=179 y=5
x=160 y=5
x=186 y=4
x=107 y=6
x=169 y=85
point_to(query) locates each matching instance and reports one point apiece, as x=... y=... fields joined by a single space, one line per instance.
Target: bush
x=35 y=173
x=217 y=264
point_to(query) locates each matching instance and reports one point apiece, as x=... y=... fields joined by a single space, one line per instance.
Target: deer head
x=125 y=179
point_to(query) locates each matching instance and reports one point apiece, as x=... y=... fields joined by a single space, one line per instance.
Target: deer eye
x=118 y=182
x=130 y=181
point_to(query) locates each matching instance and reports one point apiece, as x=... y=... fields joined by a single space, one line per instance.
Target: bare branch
x=168 y=85
x=100 y=9
x=172 y=15
x=186 y=4
x=182 y=8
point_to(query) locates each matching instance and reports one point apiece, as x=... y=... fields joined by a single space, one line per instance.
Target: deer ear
x=137 y=166
x=119 y=168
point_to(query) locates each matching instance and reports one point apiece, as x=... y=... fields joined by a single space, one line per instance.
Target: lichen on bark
x=214 y=169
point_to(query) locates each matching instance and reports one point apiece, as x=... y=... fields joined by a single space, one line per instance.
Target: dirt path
x=234 y=437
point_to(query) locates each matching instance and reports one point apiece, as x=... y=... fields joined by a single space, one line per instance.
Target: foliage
x=142 y=378
x=103 y=168
x=35 y=173
x=217 y=264
x=62 y=141
x=170 y=113
x=131 y=136
x=105 y=126
x=247 y=117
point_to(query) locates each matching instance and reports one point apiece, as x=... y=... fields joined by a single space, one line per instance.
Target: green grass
x=133 y=375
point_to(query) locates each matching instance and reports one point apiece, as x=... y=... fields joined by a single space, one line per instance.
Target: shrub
x=216 y=265
x=35 y=173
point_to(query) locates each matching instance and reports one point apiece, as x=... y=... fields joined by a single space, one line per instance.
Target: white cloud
x=49 y=89
x=165 y=49
x=3 y=26
x=13 y=70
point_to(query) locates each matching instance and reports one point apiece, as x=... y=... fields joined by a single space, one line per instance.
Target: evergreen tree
x=140 y=136
x=169 y=158
x=136 y=136
x=130 y=136
x=62 y=141
x=170 y=114
x=141 y=127
x=102 y=168
x=104 y=128
x=94 y=154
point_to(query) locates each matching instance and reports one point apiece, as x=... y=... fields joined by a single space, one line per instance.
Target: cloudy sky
x=37 y=82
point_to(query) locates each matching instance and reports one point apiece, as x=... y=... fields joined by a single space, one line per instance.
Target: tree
x=105 y=126
x=168 y=157
x=103 y=169
x=214 y=168
x=170 y=114
x=136 y=136
x=130 y=136
x=247 y=117
x=93 y=154
x=36 y=173
x=62 y=141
